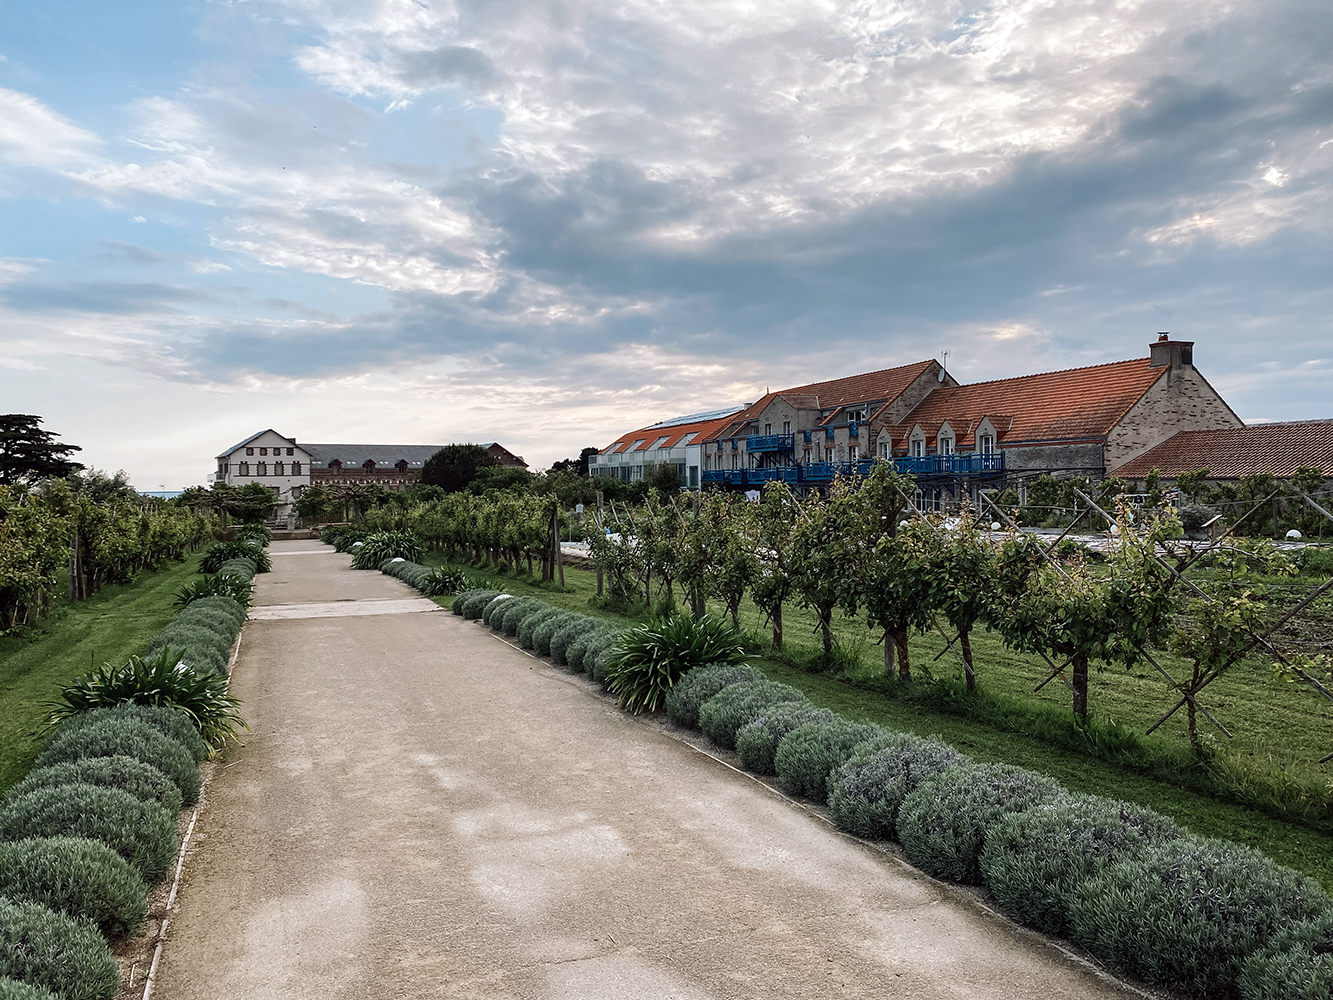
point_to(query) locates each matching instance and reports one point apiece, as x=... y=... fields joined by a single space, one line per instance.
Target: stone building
x=1232 y=453
x=1082 y=421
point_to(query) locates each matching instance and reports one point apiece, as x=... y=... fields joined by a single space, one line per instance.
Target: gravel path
x=423 y=811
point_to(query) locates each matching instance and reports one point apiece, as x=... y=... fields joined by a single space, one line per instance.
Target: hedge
x=867 y=791
x=145 y=782
x=583 y=648
x=806 y=756
x=722 y=715
x=171 y=722
x=1188 y=913
x=204 y=650
x=1035 y=861
x=496 y=603
x=545 y=632
x=943 y=824
x=563 y=636
x=78 y=877
x=689 y=693
x=241 y=569
x=597 y=657
x=142 y=833
x=1297 y=964
x=530 y=622
x=757 y=740
x=125 y=737
x=44 y=948
x=12 y=989
x=474 y=601
x=512 y=616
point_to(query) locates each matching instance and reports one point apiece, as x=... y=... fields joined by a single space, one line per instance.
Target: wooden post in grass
x=559 y=554
x=603 y=532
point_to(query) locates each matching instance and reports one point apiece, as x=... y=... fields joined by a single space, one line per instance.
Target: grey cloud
x=107 y=297
x=451 y=64
x=115 y=252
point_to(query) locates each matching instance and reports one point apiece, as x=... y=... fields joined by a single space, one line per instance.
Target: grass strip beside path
x=114 y=624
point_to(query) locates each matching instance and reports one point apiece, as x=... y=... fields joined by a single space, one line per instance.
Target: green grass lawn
x=116 y=623
x=1279 y=730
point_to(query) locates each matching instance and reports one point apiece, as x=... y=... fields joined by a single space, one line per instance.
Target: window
x=829 y=455
x=807 y=456
x=853 y=453
x=296 y=468
x=768 y=428
x=278 y=469
x=694 y=477
x=918 y=447
x=249 y=451
x=733 y=460
x=263 y=451
x=987 y=444
x=946 y=446
x=291 y=451
x=661 y=442
x=261 y=469
x=884 y=449
x=689 y=437
x=786 y=427
x=636 y=473
x=243 y=468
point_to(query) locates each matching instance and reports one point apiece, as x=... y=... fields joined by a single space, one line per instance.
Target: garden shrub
x=691 y=691
x=77 y=877
x=380 y=547
x=722 y=715
x=173 y=722
x=867 y=791
x=142 y=833
x=1297 y=964
x=204 y=651
x=757 y=741
x=239 y=569
x=584 y=648
x=476 y=601
x=505 y=619
x=457 y=606
x=161 y=689
x=44 y=948
x=544 y=632
x=230 y=587
x=12 y=989
x=944 y=823
x=214 y=619
x=494 y=605
x=597 y=659
x=220 y=553
x=342 y=538
x=120 y=736
x=145 y=782
x=530 y=622
x=571 y=629
x=1035 y=861
x=1187 y=914
x=807 y=756
x=224 y=605
x=649 y=659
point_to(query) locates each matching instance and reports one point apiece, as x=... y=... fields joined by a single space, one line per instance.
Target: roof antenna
x=944 y=368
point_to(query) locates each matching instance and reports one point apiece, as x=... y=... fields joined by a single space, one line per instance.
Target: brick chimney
x=1168 y=353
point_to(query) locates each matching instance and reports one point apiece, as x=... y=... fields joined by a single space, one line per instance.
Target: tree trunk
x=735 y=610
x=904 y=658
x=890 y=653
x=826 y=629
x=777 y=626
x=966 y=640
x=1080 y=687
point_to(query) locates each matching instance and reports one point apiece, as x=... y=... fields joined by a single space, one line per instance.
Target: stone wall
x=1182 y=400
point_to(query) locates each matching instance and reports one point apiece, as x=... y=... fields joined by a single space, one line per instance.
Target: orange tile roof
x=887 y=383
x=1278 y=449
x=650 y=435
x=1074 y=404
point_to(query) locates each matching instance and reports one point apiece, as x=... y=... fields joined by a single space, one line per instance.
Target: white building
x=271 y=460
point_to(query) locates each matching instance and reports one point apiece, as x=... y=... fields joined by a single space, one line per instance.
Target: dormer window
x=402 y=465
x=946 y=446
x=368 y=465
x=987 y=444
x=918 y=447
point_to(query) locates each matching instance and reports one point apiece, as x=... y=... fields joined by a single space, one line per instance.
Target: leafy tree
x=502 y=477
x=892 y=579
x=776 y=523
x=99 y=486
x=578 y=466
x=454 y=466
x=824 y=549
x=253 y=503
x=28 y=453
x=733 y=563
x=313 y=503
x=1209 y=635
x=960 y=571
x=664 y=478
x=1193 y=486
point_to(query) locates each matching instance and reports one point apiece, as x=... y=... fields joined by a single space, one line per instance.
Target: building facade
x=952 y=437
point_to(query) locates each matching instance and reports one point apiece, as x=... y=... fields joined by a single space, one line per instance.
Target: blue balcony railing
x=951 y=465
x=768 y=442
x=924 y=467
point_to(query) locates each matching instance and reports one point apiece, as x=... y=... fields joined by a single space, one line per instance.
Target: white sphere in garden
x=995 y=526
x=357 y=545
x=397 y=559
x=1294 y=535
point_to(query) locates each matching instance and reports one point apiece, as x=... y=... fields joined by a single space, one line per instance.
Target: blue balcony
x=768 y=442
x=825 y=472
x=773 y=474
x=719 y=477
x=951 y=465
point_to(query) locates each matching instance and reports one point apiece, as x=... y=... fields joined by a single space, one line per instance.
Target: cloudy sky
x=546 y=222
